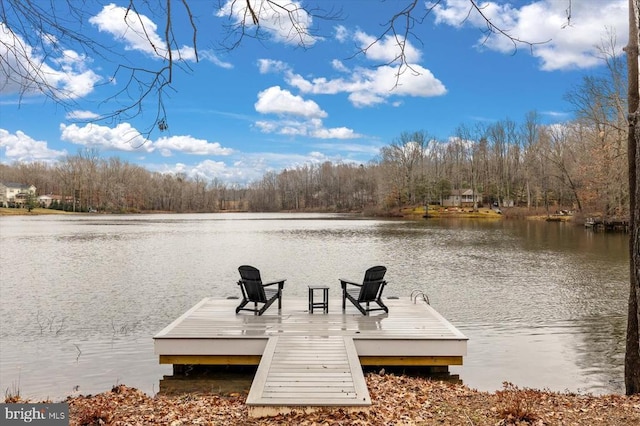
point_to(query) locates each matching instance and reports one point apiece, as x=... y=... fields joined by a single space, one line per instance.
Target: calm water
x=543 y=304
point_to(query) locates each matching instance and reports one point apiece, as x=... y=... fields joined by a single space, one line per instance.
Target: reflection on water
x=544 y=304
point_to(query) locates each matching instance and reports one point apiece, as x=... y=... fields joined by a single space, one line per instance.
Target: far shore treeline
x=578 y=166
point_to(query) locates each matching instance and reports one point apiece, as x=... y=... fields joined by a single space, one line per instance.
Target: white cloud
x=371 y=86
x=298 y=129
x=321 y=85
x=266 y=66
x=284 y=126
x=387 y=49
x=136 y=30
x=299 y=117
x=266 y=126
x=339 y=66
x=25 y=69
x=123 y=137
x=362 y=98
x=342 y=34
x=334 y=133
x=253 y=166
x=213 y=58
x=210 y=170
x=81 y=115
x=139 y=33
x=414 y=81
x=275 y=100
x=207 y=170
x=20 y=147
x=313 y=128
x=569 y=44
x=317 y=130
x=368 y=87
x=189 y=145
x=284 y=20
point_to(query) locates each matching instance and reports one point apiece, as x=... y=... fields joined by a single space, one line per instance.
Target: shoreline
x=407 y=213
x=396 y=400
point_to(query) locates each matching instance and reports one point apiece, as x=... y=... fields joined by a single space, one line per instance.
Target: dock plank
x=314 y=382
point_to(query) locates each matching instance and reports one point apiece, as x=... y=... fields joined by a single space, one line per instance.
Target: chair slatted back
x=252 y=284
x=372 y=284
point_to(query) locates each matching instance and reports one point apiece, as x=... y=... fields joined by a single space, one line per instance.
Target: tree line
x=579 y=165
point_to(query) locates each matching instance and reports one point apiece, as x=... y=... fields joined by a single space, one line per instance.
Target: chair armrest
x=281 y=282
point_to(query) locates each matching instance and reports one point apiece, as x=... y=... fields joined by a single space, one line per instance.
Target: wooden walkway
x=310 y=360
x=300 y=372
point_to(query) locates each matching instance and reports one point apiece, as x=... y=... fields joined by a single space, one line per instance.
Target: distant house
x=14 y=194
x=46 y=200
x=462 y=198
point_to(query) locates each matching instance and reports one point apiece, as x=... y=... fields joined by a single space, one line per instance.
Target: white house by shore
x=15 y=194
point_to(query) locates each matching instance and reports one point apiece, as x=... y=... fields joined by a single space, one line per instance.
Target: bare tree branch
x=401 y=28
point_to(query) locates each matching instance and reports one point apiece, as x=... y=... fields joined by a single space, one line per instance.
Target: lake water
x=543 y=304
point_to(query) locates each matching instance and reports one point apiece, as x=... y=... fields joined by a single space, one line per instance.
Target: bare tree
x=529 y=135
x=406 y=153
x=632 y=354
x=600 y=103
x=472 y=144
x=562 y=154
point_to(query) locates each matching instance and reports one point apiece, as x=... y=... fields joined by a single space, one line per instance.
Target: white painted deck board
x=216 y=317
x=314 y=381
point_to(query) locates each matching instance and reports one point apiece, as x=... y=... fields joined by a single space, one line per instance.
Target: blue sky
x=270 y=104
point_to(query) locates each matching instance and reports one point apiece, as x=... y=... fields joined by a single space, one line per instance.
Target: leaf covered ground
x=396 y=400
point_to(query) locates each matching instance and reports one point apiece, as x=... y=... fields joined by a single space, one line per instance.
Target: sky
x=271 y=104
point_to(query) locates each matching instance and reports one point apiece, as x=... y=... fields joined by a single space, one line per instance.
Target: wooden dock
x=292 y=346
x=607 y=225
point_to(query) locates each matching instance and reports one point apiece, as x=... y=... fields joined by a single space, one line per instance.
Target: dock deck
x=210 y=333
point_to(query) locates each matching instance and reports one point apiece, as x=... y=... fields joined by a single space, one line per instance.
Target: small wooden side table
x=324 y=304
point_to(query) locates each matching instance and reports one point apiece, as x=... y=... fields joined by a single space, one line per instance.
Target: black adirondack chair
x=256 y=292
x=363 y=294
